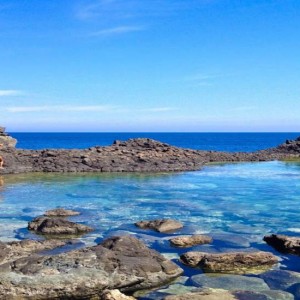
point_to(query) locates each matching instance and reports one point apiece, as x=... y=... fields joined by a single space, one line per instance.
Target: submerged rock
x=283 y=243
x=189 y=241
x=61 y=212
x=122 y=263
x=204 y=295
x=280 y=279
x=236 y=262
x=230 y=282
x=57 y=226
x=263 y=295
x=162 y=225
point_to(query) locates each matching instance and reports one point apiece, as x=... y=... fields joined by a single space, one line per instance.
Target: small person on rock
x=1 y=159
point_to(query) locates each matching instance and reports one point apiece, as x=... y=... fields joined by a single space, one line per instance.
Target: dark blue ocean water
x=200 y=141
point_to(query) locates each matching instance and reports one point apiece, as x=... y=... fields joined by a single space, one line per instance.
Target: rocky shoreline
x=134 y=155
x=124 y=264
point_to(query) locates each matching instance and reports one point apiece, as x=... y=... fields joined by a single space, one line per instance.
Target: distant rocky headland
x=134 y=155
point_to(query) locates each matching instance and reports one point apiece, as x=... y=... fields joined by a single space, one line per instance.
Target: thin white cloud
x=130 y=9
x=159 y=109
x=87 y=108
x=116 y=31
x=10 y=93
x=60 y=108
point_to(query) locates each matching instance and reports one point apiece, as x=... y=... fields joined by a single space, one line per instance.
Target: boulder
x=235 y=262
x=161 y=225
x=57 y=226
x=283 y=243
x=189 y=241
x=123 y=263
x=61 y=212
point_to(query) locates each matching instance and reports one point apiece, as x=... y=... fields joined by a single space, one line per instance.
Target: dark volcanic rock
x=134 y=155
x=57 y=226
x=61 y=212
x=283 y=243
x=122 y=263
x=236 y=262
x=164 y=225
x=189 y=241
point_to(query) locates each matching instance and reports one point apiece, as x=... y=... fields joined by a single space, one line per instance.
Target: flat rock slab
x=122 y=263
x=235 y=263
x=57 y=226
x=61 y=212
x=281 y=279
x=162 y=225
x=190 y=241
x=230 y=282
x=283 y=243
x=219 y=294
x=263 y=295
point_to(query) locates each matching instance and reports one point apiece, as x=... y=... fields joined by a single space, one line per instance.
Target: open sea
x=237 y=204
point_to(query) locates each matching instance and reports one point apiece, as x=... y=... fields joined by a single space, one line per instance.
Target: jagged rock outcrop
x=283 y=243
x=134 y=155
x=122 y=263
x=235 y=262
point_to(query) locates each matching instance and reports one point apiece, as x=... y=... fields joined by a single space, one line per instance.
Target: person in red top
x=1 y=159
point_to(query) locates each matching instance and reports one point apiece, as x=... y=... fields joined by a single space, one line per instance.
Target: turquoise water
x=237 y=204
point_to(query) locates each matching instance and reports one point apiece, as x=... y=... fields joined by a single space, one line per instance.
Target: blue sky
x=150 y=65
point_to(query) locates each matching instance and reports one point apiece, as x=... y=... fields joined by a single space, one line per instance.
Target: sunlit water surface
x=237 y=204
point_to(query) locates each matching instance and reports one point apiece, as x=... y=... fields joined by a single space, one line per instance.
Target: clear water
x=201 y=141
x=237 y=204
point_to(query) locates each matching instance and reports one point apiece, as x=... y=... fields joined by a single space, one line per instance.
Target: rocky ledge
x=122 y=263
x=134 y=155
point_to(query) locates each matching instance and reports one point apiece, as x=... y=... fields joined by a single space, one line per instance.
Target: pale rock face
x=115 y=295
x=6 y=140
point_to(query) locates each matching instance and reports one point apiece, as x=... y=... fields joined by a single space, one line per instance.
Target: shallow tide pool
x=237 y=204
